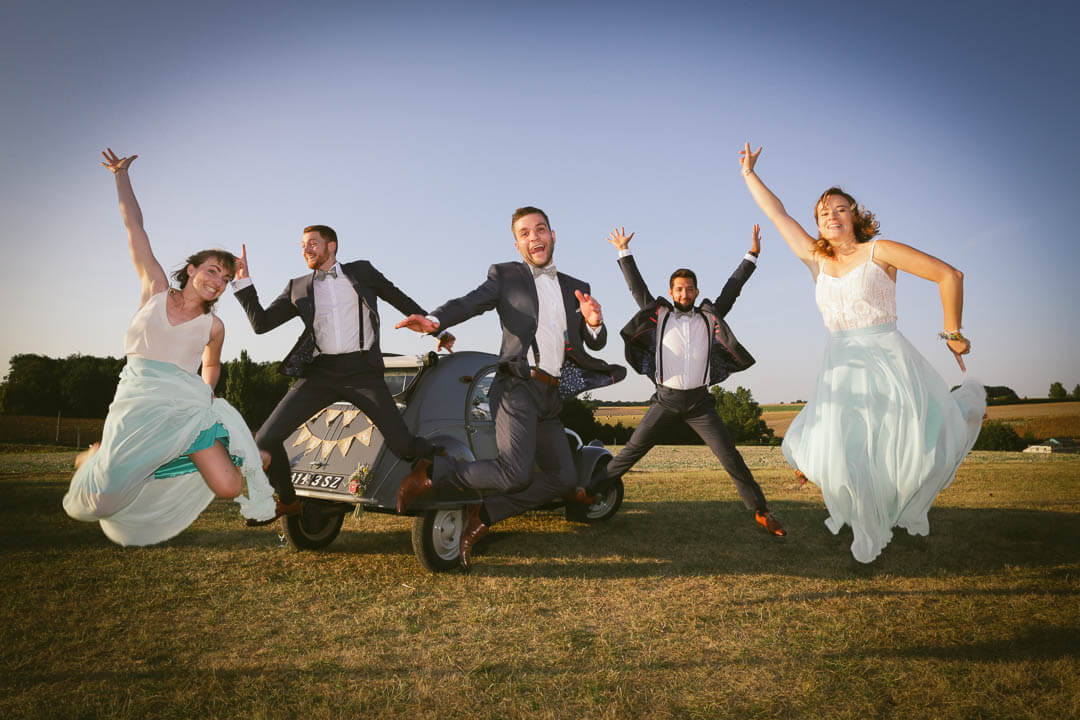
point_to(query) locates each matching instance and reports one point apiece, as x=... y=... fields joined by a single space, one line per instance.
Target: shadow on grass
x=645 y=539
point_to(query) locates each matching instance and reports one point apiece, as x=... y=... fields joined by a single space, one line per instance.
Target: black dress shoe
x=474 y=530
x=414 y=485
x=280 y=509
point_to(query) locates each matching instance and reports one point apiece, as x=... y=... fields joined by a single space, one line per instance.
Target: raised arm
x=797 y=239
x=638 y=289
x=950 y=282
x=151 y=275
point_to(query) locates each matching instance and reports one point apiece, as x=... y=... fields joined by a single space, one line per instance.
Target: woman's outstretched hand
x=116 y=164
x=748 y=159
x=958 y=348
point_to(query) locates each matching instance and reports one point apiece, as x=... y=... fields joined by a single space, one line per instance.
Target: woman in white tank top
x=882 y=434
x=168 y=446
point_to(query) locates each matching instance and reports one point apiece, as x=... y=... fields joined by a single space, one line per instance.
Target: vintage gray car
x=339 y=462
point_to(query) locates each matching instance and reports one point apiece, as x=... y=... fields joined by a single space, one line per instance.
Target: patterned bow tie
x=323 y=274
x=548 y=270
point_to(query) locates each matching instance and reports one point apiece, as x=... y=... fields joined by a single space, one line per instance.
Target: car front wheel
x=436 y=538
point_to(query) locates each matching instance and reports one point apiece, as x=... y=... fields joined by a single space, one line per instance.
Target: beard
x=683 y=307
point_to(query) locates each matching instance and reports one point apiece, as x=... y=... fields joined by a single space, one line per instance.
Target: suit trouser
x=329 y=379
x=697 y=408
x=527 y=430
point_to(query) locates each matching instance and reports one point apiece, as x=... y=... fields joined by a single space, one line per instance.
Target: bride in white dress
x=882 y=434
x=168 y=446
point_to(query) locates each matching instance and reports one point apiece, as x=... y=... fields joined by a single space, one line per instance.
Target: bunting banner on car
x=311 y=441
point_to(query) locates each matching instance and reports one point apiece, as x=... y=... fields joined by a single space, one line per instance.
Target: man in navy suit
x=337 y=356
x=684 y=348
x=547 y=319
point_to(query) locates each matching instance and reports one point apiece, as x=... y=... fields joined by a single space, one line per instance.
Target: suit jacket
x=726 y=354
x=511 y=291
x=298 y=299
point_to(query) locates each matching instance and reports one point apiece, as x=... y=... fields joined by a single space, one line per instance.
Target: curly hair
x=226 y=258
x=866 y=225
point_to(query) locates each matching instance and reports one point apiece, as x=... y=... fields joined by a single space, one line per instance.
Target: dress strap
x=873 y=246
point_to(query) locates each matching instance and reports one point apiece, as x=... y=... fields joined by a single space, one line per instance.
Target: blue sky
x=414 y=129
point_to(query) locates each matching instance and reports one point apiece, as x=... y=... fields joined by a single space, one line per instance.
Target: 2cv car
x=340 y=462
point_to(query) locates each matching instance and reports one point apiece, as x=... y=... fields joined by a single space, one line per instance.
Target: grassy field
x=678 y=607
x=1046 y=420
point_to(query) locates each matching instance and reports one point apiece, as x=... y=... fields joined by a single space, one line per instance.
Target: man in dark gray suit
x=684 y=349
x=547 y=318
x=337 y=356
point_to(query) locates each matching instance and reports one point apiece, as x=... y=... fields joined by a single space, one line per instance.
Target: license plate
x=322 y=481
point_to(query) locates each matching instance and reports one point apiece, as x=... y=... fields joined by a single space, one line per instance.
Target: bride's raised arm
x=797 y=239
x=151 y=275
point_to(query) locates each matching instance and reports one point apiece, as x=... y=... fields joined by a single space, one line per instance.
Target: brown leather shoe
x=474 y=530
x=280 y=509
x=579 y=495
x=414 y=485
x=767 y=521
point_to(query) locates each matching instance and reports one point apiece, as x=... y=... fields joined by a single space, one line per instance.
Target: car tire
x=315 y=526
x=606 y=505
x=436 y=538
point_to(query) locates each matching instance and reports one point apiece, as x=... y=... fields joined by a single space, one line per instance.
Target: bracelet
x=954 y=335
x=748 y=171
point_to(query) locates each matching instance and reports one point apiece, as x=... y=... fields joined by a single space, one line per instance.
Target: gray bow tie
x=323 y=274
x=548 y=270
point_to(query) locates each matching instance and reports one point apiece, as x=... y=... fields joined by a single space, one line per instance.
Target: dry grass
x=679 y=607
x=1045 y=420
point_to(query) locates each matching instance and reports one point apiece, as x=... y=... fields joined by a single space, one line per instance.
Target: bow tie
x=323 y=274
x=548 y=270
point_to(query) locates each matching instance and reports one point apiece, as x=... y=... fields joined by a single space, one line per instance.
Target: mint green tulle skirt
x=159 y=413
x=882 y=435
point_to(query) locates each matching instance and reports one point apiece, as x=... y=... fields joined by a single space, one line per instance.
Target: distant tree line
x=82 y=386
x=740 y=413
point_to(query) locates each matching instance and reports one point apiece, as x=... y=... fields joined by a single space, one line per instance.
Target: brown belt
x=538 y=374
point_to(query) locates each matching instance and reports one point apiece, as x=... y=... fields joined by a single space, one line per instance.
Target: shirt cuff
x=624 y=252
x=751 y=258
x=595 y=331
x=435 y=320
x=241 y=283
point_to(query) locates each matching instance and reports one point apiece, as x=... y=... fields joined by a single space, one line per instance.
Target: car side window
x=479 y=404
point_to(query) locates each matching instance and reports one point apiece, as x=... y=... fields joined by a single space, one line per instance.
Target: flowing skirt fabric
x=882 y=435
x=158 y=411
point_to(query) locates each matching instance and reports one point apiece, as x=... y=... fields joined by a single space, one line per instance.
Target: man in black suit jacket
x=547 y=319
x=684 y=349
x=337 y=356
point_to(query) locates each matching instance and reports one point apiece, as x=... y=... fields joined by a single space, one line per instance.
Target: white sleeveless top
x=152 y=337
x=861 y=298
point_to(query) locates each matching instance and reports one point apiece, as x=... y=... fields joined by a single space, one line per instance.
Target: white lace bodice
x=150 y=335
x=863 y=297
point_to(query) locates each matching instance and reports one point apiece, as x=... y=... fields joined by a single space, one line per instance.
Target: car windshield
x=399 y=379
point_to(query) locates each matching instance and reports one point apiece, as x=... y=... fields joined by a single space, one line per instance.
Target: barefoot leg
x=218 y=470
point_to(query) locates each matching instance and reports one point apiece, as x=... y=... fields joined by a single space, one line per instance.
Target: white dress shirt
x=550 y=326
x=336 y=312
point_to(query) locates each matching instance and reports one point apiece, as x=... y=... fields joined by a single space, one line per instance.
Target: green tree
x=999 y=436
x=742 y=416
x=32 y=386
x=1075 y=394
x=1057 y=391
x=239 y=381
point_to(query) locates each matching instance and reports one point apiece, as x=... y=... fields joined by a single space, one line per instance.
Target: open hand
x=241 y=264
x=748 y=159
x=116 y=164
x=590 y=309
x=755 y=246
x=619 y=238
x=418 y=323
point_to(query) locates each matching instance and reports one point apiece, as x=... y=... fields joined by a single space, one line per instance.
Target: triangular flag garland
x=310 y=440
